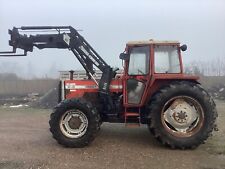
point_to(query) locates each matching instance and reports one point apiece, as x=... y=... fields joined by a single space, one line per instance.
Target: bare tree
x=215 y=67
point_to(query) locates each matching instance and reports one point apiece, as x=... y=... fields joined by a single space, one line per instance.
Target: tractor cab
x=146 y=60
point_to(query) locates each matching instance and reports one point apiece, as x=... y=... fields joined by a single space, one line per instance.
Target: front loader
x=152 y=89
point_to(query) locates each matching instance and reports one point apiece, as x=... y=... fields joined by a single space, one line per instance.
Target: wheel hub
x=74 y=122
x=180 y=117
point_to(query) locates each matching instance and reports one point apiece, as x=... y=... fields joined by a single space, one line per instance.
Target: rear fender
x=159 y=83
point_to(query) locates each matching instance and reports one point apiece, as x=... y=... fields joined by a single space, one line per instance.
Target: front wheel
x=74 y=123
x=181 y=115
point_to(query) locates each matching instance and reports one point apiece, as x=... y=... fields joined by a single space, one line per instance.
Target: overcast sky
x=108 y=25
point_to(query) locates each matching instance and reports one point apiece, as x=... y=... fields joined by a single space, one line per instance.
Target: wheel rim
x=182 y=116
x=73 y=123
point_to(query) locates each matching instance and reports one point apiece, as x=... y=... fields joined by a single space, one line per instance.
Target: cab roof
x=151 y=41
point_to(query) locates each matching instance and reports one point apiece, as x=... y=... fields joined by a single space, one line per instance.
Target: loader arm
x=63 y=37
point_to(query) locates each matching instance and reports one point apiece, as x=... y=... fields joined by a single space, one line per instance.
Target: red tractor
x=152 y=89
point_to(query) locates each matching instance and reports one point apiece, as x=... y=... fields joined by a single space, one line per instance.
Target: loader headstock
x=19 y=39
x=15 y=43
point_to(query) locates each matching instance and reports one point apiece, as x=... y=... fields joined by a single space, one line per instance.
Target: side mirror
x=183 y=47
x=124 y=56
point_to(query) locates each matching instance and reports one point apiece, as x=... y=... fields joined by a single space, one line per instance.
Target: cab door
x=137 y=75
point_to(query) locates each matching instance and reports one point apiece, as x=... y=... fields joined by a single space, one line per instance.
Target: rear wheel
x=181 y=115
x=74 y=123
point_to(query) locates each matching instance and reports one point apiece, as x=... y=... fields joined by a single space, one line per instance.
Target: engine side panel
x=77 y=88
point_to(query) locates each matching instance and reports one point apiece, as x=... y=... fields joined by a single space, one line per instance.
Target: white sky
x=108 y=25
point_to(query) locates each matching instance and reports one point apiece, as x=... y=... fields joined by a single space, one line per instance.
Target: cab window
x=166 y=59
x=139 y=61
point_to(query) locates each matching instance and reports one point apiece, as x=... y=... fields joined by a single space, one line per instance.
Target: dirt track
x=26 y=143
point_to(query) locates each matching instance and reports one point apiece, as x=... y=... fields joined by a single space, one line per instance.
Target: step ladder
x=132 y=119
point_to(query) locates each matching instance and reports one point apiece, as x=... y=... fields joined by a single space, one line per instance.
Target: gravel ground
x=26 y=143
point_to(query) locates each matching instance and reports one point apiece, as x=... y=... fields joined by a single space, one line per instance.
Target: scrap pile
x=49 y=100
x=217 y=91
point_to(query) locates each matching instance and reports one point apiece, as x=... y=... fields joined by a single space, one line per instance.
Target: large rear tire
x=181 y=115
x=74 y=123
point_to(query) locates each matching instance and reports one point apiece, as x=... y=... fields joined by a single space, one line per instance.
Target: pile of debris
x=49 y=100
x=217 y=91
x=12 y=100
